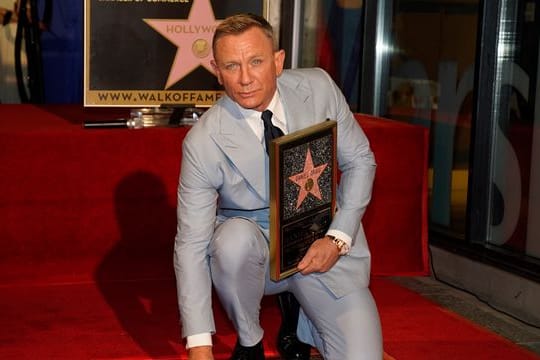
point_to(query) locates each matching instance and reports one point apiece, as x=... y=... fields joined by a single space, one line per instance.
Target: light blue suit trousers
x=340 y=328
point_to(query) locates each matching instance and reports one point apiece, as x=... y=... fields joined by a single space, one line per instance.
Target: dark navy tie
x=270 y=131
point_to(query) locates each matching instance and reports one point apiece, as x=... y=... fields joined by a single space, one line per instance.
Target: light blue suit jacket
x=225 y=166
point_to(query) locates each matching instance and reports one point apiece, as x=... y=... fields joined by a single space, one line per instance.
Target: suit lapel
x=241 y=146
x=297 y=102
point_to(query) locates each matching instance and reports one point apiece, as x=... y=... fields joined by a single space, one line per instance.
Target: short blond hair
x=237 y=24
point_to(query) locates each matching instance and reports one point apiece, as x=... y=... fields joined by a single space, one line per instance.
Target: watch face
x=340 y=244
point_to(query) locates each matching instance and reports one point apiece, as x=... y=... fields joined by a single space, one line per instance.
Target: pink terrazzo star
x=192 y=36
x=308 y=180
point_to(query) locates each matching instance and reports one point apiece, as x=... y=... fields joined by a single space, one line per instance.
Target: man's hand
x=200 y=353
x=320 y=257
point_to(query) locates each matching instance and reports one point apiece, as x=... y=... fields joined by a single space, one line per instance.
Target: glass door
x=418 y=67
x=514 y=211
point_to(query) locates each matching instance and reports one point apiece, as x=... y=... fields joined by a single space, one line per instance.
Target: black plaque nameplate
x=303 y=175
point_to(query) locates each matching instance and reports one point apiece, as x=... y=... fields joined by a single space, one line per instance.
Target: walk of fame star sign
x=303 y=173
x=147 y=53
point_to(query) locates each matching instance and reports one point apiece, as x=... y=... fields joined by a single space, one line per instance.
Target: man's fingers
x=318 y=259
x=305 y=262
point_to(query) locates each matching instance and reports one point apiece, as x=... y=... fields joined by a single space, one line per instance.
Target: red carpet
x=87 y=221
x=137 y=320
x=416 y=328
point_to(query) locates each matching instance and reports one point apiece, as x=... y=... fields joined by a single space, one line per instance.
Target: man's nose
x=245 y=75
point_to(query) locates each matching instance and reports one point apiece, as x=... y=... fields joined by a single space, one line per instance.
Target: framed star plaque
x=303 y=176
x=151 y=53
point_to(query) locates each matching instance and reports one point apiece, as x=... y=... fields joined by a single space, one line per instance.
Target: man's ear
x=216 y=71
x=279 y=60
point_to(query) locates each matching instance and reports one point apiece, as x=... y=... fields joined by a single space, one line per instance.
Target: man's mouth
x=247 y=94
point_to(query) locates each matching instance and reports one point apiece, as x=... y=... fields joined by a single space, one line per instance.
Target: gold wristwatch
x=340 y=244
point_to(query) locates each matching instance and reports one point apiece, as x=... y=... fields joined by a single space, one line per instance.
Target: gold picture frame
x=303 y=177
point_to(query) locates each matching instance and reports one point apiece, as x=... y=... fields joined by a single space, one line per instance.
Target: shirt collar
x=253 y=117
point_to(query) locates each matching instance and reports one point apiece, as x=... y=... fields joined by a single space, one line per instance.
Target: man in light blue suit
x=223 y=213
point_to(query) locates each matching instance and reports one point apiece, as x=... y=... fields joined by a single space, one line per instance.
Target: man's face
x=247 y=67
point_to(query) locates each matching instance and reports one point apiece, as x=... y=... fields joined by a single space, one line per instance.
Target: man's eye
x=256 y=61
x=231 y=67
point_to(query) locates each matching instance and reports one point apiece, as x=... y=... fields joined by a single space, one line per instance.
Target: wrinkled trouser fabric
x=340 y=328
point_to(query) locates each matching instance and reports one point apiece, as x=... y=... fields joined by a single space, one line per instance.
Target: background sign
x=153 y=52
